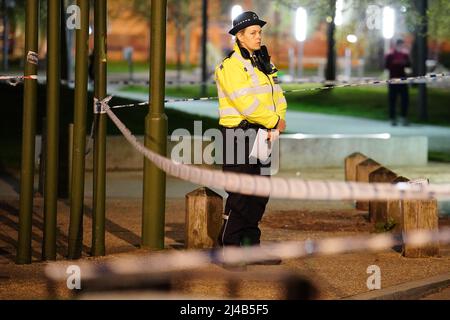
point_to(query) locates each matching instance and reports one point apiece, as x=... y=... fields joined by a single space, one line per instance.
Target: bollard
x=350 y=165
x=394 y=209
x=378 y=209
x=420 y=215
x=363 y=170
x=204 y=210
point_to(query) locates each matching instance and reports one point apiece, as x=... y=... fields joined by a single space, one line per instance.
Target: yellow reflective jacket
x=246 y=93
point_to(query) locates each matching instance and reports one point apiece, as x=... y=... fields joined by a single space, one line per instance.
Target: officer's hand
x=281 y=125
x=273 y=135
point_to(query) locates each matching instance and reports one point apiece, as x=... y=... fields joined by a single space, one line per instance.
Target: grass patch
x=122 y=66
x=362 y=102
x=370 y=103
x=140 y=66
x=438 y=156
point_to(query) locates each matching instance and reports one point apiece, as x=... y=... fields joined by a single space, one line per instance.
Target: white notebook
x=262 y=148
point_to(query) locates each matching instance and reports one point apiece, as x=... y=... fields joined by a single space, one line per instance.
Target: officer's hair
x=237 y=40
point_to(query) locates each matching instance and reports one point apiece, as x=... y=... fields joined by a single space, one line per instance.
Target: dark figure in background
x=396 y=62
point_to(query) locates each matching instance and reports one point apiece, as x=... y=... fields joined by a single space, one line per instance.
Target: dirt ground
x=335 y=277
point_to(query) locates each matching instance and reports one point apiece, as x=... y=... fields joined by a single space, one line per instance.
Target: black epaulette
x=229 y=55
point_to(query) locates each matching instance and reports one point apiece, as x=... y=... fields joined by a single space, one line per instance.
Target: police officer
x=250 y=99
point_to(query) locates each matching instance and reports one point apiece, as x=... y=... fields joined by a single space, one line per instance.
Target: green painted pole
x=153 y=216
x=100 y=50
x=28 y=135
x=51 y=163
x=79 y=139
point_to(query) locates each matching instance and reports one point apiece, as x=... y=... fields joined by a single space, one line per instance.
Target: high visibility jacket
x=246 y=93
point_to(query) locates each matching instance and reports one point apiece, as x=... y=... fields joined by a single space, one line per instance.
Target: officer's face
x=251 y=38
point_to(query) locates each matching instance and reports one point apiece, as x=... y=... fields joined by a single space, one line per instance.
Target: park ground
x=336 y=277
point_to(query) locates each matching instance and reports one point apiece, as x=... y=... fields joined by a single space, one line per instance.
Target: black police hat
x=245 y=20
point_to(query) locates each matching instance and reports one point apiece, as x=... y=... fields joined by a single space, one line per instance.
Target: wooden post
x=363 y=170
x=378 y=209
x=394 y=209
x=420 y=215
x=204 y=209
x=350 y=165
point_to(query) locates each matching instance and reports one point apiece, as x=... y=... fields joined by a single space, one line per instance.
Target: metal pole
x=28 y=135
x=63 y=164
x=153 y=218
x=348 y=63
x=100 y=49
x=300 y=59
x=51 y=163
x=79 y=139
x=422 y=56
x=291 y=54
x=330 y=71
x=204 y=48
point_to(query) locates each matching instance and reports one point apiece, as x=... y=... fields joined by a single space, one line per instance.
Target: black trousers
x=243 y=213
x=402 y=91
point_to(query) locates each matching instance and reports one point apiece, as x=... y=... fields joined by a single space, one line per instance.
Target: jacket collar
x=237 y=49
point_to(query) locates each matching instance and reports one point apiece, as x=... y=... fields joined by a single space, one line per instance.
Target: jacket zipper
x=272 y=92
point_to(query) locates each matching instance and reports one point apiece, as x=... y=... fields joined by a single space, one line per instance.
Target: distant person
x=396 y=62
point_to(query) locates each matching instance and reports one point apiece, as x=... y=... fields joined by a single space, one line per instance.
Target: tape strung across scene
x=184 y=260
x=329 y=85
x=315 y=80
x=282 y=188
x=15 y=80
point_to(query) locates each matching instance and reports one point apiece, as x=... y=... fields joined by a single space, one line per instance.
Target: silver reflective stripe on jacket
x=251 y=90
x=229 y=112
x=249 y=68
x=252 y=108
x=282 y=100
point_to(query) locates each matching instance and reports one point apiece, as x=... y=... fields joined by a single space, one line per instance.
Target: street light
x=338 y=19
x=236 y=10
x=301 y=28
x=388 y=26
x=352 y=38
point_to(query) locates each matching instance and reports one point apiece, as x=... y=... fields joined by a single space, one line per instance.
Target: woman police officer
x=250 y=98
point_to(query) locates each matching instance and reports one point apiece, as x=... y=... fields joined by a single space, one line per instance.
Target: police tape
x=265 y=186
x=15 y=80
x=147 y=82
x=188 y=260
x=282 y=188
x=409 y=80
